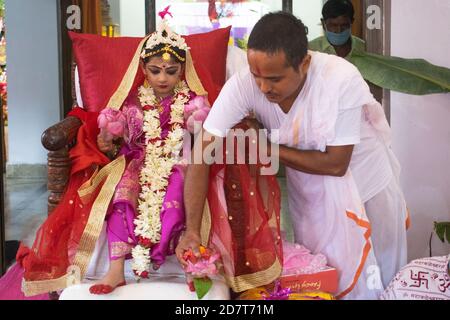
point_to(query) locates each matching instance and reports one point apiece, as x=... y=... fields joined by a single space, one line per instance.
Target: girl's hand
x=104 y=144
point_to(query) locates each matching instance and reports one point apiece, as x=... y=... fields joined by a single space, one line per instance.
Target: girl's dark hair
x=179 y=52
x=281 y=31
x=336 y=8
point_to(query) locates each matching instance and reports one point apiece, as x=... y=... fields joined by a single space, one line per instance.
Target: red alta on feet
x=104 y=288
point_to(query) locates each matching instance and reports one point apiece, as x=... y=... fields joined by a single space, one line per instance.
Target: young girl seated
x=138 y=190
x=146 y=215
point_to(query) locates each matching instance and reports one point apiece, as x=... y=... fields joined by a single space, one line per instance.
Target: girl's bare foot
x=113 y=279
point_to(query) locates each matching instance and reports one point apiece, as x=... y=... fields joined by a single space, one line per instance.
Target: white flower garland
x=160 y=157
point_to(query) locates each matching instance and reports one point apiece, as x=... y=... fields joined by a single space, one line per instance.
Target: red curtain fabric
x=91 y=16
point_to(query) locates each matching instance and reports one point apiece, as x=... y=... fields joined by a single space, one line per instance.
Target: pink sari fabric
x=299 y=260
x=11 y=286
x=120 y=220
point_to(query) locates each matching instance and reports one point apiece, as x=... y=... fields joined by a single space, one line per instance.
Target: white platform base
x=168 y=283
x=158 y=288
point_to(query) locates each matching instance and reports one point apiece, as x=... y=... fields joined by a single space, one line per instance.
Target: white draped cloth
x=422 y=279
x=356 y=221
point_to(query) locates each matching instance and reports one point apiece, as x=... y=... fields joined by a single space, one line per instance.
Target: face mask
x=338 y=39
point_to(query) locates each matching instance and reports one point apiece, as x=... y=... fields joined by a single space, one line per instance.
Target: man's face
x=277 y=80
x=337 y=25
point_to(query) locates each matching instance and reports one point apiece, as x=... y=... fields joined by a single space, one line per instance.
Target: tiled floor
x=26 y=208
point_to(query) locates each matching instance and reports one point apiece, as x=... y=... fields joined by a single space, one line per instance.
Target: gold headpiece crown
x=164 y=36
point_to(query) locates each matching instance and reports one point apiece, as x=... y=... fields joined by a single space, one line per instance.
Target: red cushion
x=103 y=61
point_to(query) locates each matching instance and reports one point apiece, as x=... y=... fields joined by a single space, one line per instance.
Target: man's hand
x=104 y=144
x=189 y=240
x=252 y=123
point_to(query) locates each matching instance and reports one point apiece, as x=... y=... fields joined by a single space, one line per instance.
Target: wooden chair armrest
x=61 y=134
x=58 y=139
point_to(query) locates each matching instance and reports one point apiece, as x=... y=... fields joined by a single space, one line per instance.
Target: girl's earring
x=146 y=84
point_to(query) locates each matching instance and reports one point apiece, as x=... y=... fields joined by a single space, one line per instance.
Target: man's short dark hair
x=280 y=31
x=336 y=8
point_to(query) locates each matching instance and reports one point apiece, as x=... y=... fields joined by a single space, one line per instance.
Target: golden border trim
x=76 y=272
x=34 y=288
x=192 y=78
x=254 y=280
x=113 y=173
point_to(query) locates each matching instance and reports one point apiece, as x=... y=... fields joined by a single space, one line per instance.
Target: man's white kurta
x=357 y=221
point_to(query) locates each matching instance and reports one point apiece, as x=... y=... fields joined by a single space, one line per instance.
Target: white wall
x=33 y=76
x=310 y=12
x=132 y=18
x=421 y=125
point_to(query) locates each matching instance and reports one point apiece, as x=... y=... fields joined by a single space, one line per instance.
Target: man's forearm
x=195 y=192
x=331 y=163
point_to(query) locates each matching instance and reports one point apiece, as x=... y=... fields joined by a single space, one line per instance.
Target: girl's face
x=162 y=75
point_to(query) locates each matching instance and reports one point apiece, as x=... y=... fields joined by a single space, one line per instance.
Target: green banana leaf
x=442 y=230
x=411 y=76
x=202 y=286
